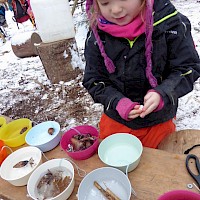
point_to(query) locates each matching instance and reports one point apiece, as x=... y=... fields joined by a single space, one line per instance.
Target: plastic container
x=39 y=137
x=180 y=195
x=2 y=122
x=53 y=19
x=51 y=165
x=19 y=176
x=109 y=177
x=13 y=134
x=3 y=152
x=84 y=154
x=121 y=150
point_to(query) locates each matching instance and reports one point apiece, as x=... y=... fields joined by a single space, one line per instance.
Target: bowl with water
x=20 y=164
x=121 y=150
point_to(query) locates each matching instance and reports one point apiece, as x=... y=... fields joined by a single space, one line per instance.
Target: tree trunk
x=56 y=58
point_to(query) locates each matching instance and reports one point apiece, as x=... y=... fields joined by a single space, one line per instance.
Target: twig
x=74 y=6
x=188 y=99
x=107 y=193
x=38 y=82
x=111 y=193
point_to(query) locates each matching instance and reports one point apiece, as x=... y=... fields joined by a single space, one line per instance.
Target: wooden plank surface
x=157 y=172
x=180 y=141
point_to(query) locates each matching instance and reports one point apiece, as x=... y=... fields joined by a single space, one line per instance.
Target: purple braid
x=88 y=6
x=148 y=43
x=108 y=62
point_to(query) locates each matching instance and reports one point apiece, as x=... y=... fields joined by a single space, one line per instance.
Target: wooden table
x=157 y=172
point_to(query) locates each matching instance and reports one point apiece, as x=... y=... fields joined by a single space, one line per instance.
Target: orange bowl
x=3 y=152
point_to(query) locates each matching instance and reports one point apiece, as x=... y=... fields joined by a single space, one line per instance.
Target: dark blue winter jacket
x=176 y=65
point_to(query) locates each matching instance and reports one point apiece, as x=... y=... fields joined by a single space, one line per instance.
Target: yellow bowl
x=13 y=134
x=2 y=122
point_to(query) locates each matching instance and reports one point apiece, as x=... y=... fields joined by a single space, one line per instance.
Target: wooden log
x=23 y=50
x=180 y=141
x=56 y=58
x=35 y=41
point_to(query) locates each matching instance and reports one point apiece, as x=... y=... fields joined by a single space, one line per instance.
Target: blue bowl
x=39 y=136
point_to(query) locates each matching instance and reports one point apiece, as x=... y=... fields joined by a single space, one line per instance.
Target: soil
x=69 y=105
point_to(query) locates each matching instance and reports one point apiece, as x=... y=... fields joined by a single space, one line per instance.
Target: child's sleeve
x=96 y=77
x=183 y=61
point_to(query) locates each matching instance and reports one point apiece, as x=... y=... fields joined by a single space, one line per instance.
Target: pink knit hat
x=148 y=44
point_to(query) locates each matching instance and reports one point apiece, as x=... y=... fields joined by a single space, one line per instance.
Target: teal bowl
x=121 y=150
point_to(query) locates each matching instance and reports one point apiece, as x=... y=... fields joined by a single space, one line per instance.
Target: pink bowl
x=84 y=154
x=180 y=195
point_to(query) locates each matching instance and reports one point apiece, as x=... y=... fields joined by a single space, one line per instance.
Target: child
x=140 y=58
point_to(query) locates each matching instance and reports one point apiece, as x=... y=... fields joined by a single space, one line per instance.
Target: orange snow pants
x=149 y=136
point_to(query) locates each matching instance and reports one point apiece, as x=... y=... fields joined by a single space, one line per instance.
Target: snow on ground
x=18 y=76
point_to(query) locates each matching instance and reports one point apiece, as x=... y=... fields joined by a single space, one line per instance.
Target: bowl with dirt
x=53 y=180
x=80 y=142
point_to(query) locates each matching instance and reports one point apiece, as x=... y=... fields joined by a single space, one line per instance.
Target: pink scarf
x=130 y=31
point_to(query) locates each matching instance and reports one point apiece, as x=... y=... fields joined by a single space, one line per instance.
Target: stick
x=112 y=194
x=107 y=193
x=104 y=192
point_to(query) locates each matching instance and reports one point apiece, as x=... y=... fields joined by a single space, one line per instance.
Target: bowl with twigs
x=105 y=183
x=53 y=180
x=80 y=142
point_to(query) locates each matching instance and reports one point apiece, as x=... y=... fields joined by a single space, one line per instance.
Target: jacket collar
x=162 y=8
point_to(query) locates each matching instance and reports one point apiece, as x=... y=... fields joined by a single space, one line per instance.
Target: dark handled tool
x=196 y=177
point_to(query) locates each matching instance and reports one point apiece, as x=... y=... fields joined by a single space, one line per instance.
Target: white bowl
x=109 y=177
x=121 y=150
x=54 y=164
x=38 y=136
x=20 y=176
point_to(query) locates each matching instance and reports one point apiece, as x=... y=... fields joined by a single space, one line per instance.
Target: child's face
x=120 y=12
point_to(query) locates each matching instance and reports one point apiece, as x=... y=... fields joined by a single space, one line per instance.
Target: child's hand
x=151 y=102
x=135 y=112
